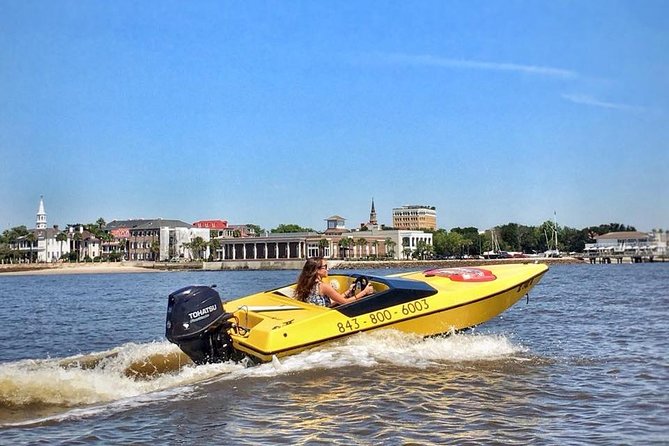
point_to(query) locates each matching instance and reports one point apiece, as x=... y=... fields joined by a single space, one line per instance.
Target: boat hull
x=425 y=303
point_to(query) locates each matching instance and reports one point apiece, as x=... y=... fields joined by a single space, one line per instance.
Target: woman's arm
x=327 y=290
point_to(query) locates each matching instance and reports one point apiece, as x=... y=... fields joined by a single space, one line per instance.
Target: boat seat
x=287 y=291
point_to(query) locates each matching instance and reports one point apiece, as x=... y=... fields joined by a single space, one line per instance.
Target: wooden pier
x=623 y=258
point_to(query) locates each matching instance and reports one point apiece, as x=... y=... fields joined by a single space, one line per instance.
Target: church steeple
x=41 y=215
x=372 y=215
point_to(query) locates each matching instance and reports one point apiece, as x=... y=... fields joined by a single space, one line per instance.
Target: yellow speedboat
x=273 y=323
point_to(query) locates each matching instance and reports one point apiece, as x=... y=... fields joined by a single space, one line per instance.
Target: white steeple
x=41 y=215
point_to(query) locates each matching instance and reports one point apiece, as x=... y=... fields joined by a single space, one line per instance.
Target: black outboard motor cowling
x=197 y=323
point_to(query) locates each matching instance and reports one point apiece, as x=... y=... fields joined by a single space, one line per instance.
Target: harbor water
x=584 y=360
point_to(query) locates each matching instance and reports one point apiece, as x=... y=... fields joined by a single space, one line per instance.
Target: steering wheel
x=361 y=283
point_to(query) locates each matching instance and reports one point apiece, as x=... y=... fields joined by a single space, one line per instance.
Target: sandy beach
x=151 y=267
x=75 y=268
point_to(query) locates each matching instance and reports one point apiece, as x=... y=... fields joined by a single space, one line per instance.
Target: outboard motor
x=197 y=323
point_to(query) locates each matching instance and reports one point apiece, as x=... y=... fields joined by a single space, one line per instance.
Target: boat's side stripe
x=332 y=338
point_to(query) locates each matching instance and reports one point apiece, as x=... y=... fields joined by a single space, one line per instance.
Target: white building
x=158 y=239
x=176 y=242
x=336 y=242
x=628 y=243
x=42 y=244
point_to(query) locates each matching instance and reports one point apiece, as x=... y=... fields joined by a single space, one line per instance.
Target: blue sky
x=290 y=112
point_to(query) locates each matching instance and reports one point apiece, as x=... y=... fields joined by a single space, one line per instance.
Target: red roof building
x=211 y=224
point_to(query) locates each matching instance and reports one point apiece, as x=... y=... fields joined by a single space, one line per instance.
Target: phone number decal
x=381 y=316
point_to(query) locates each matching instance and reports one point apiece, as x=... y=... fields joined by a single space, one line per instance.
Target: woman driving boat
x=311 y=288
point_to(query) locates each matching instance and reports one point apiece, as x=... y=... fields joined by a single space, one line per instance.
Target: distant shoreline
x=71 y=268
x=144 y=267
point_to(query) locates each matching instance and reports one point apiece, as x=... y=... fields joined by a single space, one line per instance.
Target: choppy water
x=84 y=361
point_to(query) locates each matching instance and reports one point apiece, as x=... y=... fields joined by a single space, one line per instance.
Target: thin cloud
x=428 y=60
x=594 y=102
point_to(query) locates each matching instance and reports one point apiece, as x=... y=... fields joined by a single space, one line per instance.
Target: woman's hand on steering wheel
x=365 y=287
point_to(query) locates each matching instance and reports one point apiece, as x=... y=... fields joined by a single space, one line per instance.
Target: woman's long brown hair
x=308 y=277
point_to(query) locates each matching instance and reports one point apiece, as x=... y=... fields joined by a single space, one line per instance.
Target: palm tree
x=108 y=238
x=60 y=238
x=31 y=239
x=77 y=244
x=390 y=247
x=197 y=245
x=344 y=245
x=322 y=244
x=375 y=248
x=215 y=245
x=361 y=242
x=423 y=250
x=155 y=250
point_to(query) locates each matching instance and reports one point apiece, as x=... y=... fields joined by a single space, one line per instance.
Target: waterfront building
x=159 y=239
x=48 y=245
x=275 y=246
x=632 y=244
x=221 y=228
x=336 y=242
x=241 y=231
x=335 y=225
x=84 y=243
x=396 y=244
x=415 y=217
x=211 y=224
x=42 y=244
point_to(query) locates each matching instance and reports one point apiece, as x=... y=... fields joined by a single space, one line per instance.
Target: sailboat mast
x=555 y=237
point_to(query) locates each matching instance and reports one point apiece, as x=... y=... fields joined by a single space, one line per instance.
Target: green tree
x=454 y=242
x=155 y=250
x=60 y=238
x=439 y=242
x=475 y=239
x=344 y=246
x=610 y=227
x=509 y=237
x=375 y=248
x=520 y=238
x=77 y=237
x=255 y=229
x=214 y=245
x=361 y=243
x=322 y=244
x=6 y=253
x=197 y=246
x=389 y=247
x=10 y=236
x=289 y=228
x=548 y=230
x=423 y=250
x=573 y=240
x=31 y=239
